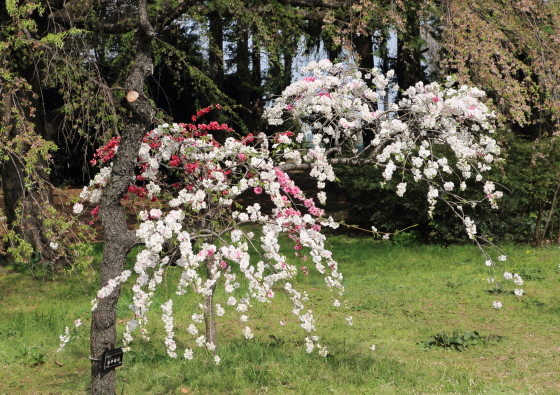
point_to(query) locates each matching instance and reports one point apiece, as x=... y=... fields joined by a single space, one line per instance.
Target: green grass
x=399 y=296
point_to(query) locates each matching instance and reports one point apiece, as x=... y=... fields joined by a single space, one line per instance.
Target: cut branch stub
x=131 y=96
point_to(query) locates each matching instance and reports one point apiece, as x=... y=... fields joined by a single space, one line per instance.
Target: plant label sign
x=112 y=358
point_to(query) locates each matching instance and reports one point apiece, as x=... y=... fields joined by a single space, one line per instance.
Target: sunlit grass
x=399 y=297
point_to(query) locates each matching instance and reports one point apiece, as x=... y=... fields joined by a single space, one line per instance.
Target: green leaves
x=460 y=342
x=57 y=39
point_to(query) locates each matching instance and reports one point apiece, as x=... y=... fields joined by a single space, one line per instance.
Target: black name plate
x=112 y=358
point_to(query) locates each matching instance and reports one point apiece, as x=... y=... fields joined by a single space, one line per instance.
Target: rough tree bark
x=118 y=239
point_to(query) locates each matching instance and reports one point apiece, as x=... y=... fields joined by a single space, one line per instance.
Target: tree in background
x=512 y=49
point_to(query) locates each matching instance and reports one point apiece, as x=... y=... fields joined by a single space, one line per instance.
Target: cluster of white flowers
x=65 y=338
x=110 y=287
x=167 y=318
x=336 y=103
x=470 y=226
x=517 y=280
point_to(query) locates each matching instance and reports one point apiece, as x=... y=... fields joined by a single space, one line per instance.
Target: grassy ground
x=399 y=296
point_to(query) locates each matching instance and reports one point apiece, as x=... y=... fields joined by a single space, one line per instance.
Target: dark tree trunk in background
x=244 y=78
x=551 y=212
x=408 y=68
x=118 y=239
x=256 y=77
x=364 y=46
x=28 y=199
x=538 y=238
x=216 y=65
x=216 y=52
x=288 y=69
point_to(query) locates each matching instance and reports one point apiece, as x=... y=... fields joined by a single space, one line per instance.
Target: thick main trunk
x=118 y=239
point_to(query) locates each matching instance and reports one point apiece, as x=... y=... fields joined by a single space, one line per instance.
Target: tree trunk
x=558 y=239
x=551 y=212
x=538 y=237
x=364 y=47
x=244 y=77
x=23 y=203
x=118 y=239
x=216 y=51
x=256 y=83
x=408 y=67
x=209 y=313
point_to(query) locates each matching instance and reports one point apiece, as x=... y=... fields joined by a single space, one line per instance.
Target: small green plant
x=34 y=356
x=460 y=342
x=406 y=238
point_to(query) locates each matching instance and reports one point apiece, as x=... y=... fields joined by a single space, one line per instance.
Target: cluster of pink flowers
x=107 y=152
x=338 y=105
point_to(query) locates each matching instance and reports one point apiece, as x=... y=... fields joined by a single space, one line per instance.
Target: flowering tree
x=200 y=229
x=440 y=135
x=190 y=183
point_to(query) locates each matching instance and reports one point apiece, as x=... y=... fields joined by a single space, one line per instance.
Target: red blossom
x=175 y=161
x=191 y=167
x=107 y=152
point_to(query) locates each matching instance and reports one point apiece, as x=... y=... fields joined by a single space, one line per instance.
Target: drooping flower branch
x=440 y=135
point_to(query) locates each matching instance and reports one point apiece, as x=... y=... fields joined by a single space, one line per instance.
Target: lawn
x=400 y=297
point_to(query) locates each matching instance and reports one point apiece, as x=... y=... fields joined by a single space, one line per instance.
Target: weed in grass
x=460 y=342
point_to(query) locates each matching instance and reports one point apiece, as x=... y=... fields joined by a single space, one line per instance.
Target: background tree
x=511 y=49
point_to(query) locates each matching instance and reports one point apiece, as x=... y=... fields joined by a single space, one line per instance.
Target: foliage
x=363 y=186
x=460 y=342
x=510 y=49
